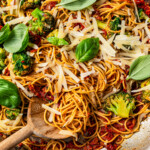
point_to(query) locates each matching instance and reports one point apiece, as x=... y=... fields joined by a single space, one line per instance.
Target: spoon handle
x=16 y=138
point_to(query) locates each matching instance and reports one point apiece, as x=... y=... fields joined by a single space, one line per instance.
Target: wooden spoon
x=35 y=125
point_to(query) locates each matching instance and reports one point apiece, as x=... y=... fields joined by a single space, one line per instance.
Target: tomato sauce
x=1 y=27
x=40 y=92
x=145 y=6
x=34 y=38
x=50 y=6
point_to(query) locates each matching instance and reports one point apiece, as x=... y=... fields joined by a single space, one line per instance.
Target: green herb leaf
x=76 y=5
x=57 y=41
x=18 y=39
x=9 y=95
x=37 y=13
x=21 y=2
x=87 y=49
x=64 y=2
x=4 y=33
x=139 y=69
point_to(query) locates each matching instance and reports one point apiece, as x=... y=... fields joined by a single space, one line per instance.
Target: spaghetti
x=76 y=92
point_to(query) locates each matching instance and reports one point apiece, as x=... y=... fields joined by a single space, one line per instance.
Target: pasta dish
x=88 y=61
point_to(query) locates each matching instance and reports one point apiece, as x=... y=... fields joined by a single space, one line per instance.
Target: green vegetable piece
x=18 y=39
x=139 y=69
x=122 y=104
x=21 y=2
x=53 y=39
x=114 y=25
x=2 y=59
x=44 y=24
x=36 y=2
x=87 y=49
x=4 y=33
x=37 y=13
x=76 y=4
x=9 y=95
x=12 y=113
x=2 y=65
x=57 y=41
x=22 y=64
x=54 y=33
x=101 y=25
x=29 y=4
x=64 y=2
x=2 y=53
x=145 y=93
x=142 y=15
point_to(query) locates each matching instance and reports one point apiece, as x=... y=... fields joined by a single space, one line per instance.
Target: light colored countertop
x=140 y=140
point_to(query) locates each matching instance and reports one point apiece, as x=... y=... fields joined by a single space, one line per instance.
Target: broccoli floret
x=122 y=104
x=2 y=59
x=101 y=25
x=12 y=113
x=145 y=93
x=142 y=15
x=36 y=27
x=42 y=25
x=22 y=64
x=114 y=25
x=30 y=4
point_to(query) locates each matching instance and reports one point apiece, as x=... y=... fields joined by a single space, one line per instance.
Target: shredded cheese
x=69 y=133
x=122 y=27
x=29 y=94
x=136 y=11
x=83 y=66
x=18 y=20
x=16 y=122
x=86 y=74
x=73 y=76
x=51 y=109
x=113 y=92
x=52 y=114
x=64 y=79
x=142 y=89
x=8 y=8
x=106 y=46
x=34 y=46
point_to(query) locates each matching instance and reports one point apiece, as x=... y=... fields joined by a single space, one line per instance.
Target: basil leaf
x=78 y=4
x=64 y=2
x=4 y=33
x=9 y=95
x=21 y=2
x=18 y=39
x=57 y=41
x=62 y=42
x=37 y=13
x=87 y=49
x=140 y=68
